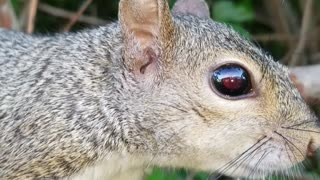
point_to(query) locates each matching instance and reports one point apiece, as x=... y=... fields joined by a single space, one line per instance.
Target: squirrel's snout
x=314 y=142
x=311 y=149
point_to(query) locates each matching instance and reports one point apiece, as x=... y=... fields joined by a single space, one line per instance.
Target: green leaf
x=171 y=3
x=227 y=11
x=16 y=4
x=164 y=174
x=157 y=174
x=201 y=176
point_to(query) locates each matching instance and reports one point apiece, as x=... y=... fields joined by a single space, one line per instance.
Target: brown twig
x=304 y=32
x=8 y=17
x=283 y=21
x=76 y=17
x=291 y=16
x=278 y=15
x=69 y=15
x=31 y=15
x=274 y=37
x=5 y=19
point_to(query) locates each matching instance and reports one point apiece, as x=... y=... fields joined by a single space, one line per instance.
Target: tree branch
x=274 y=37
x=75 y=18
x=31 y=15
x=304 y=32
x=68 y=15
x=307 y=80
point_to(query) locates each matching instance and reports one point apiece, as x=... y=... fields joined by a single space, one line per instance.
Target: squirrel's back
x=45 y=80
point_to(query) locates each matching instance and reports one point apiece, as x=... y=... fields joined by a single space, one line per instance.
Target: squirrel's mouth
x=278 y=162
x=275 y=156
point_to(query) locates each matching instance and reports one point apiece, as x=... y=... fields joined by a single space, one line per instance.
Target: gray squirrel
x=170 y=89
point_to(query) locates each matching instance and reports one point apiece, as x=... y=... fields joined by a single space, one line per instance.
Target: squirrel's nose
x=314 y=143
x=311 y=149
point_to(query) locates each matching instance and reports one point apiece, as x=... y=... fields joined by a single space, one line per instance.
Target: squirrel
x=156 y=88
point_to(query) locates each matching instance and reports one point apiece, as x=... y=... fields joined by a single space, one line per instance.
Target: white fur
x=114 y=167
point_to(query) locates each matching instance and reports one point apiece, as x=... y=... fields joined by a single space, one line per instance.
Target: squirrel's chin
x=257 y=172
x=257 y=165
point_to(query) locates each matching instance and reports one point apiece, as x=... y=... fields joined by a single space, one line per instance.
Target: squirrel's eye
x=231 y=80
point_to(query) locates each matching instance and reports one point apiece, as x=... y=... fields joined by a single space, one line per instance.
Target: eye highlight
x=231 y=80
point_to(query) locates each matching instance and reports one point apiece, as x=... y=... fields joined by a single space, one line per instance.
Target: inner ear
x=151 y=59
x=146 y=26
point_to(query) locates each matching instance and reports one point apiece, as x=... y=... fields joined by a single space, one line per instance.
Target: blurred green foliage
x=234 y=14
x=163 y=174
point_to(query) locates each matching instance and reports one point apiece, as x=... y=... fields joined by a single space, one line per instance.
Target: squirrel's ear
x=195 y=7
x=147 y=28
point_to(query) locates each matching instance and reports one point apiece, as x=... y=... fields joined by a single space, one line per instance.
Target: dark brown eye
x=231 y=80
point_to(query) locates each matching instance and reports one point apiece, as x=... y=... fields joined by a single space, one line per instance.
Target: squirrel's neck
x=72 y=91
x=116 y=105
x=82 y=94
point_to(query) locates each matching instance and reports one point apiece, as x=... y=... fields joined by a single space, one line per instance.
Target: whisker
x=252 y=154
x=241 y=158
x=299 y=124
x=238 y=157
x=295 y=139
x=297 y=169
x=290 y=143
x=263 y=156
x=305 y=130
x=285 y=146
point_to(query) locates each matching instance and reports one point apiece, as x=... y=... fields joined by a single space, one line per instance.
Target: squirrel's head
x=209 y=99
